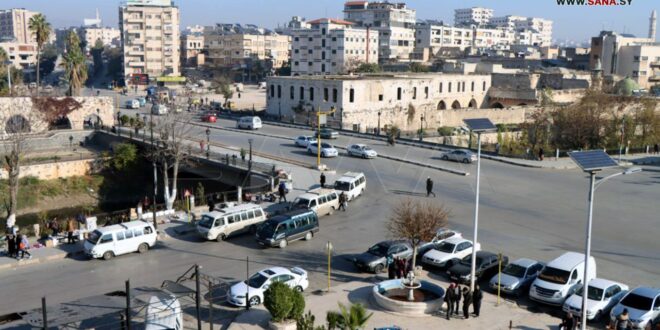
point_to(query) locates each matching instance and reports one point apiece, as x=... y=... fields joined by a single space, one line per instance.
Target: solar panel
x=480 y=124
x=592 y=160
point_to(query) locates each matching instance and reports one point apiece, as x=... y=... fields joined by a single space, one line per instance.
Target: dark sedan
x=486 y=266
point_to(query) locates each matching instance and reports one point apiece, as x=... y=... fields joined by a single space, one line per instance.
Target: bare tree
x=173 y=130
x=417 y=222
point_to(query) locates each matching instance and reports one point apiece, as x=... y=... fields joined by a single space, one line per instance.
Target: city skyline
x=631 y=19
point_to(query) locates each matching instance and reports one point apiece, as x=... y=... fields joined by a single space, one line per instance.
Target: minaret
x=652 y=25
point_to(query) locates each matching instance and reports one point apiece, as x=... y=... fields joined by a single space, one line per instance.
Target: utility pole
x=318 y=139
x=153 y=163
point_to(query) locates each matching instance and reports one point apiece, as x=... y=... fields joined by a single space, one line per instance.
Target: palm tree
x=75 y=64
x=41 y=30
x=353 y=318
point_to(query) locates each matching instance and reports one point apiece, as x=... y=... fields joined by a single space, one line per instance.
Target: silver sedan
x=361 y=150
x=460 y=155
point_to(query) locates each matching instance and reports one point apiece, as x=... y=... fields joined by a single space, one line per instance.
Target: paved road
x=524 y=212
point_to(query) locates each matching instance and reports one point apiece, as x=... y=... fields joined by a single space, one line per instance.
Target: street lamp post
x=8 y=63
x=208 y=139
x=623 y=128
x=478 y=125
x=98 y=118
x=319 y=113
x=250 y=163
x=119 y=123
x=592 y=162
x=153 y=163
x=378 y=128
x=421 y=128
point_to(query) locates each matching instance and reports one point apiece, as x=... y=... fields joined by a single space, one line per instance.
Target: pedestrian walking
x=55 y=226
x=23 y=246
x=409 y=266
x=622 y=321
x=429 y=187
x=395 y=266
x=449 y=299
x=402 y=268
x=211 y=203
x=467 y=301
x=477 y=296
x=11 y=245
x=390 y=267
x=656 y=148
x=457 y=297
x=497 y=148
x=540 y=154
x=342 y=201
x=282 y=191
x=568 y=323
x=322 y=180
x=70 y=227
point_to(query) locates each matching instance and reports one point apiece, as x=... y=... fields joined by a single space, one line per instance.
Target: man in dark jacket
x=449 y=299
x=282 y=191
x=457 y=297
x=467 y=301
x=342 y=201
x=429 y=187
x=322 y=180
x=477 y=296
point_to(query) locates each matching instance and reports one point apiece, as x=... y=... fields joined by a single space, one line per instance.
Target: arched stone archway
x=442 y=105
x=456 y=105
x=17 y=124
x=61 y=122
x=497 y=105
x=472 y=104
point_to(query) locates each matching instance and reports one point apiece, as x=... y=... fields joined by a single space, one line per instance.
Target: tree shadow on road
x=408 y=193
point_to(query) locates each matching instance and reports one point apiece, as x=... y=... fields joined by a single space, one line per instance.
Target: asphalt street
x=524 y=212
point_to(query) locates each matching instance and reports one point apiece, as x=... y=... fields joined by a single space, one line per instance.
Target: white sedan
x=295 y=277
x=304 y=141
x=460 y=155
x=327 y=150
x=361 y=150
x=602 y=295
x=448 y=252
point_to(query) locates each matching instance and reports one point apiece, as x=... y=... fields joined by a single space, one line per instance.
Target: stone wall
x=82 y=109
x=54 y=170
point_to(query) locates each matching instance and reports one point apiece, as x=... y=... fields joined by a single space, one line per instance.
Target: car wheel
x=332 y=210
x=221 y=237
x=379 y=268
x=298 y=288
x=254 y=301
x=323 y=155
x=445 y=157
x=308 y=236
x=108 y=255
x=143 y=248
x=466 y=161
x=283 y=243
x=365 y=156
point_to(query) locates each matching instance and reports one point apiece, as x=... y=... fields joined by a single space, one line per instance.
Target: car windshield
x=366 y=148
x=300 y=202
x=514 y=270
x=325 y=145
x=637 y=302
x=554 y=275
x=378 y=250
x=268 y=229
x=593 y=294
x=94 y=237
x=468 y=261
x=257 y=280
x=343 y=186
x=206 y=222
x=445 y=247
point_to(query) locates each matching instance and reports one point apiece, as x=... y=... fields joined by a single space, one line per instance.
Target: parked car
x=602 y=295
x=440 y=236
x=461 y=155
x=128 y=237
x=352 y=184
x=284 y=228
x=295 y=277
x=448 y=252
x=221 y=224
x=132 y=104
x=322 y=201
x=327 y=133
x=209 y=118
x=304 y=141
x=643 y=304
x=560 y=278
x=142 y=100
x=486 y=265
x=249 y=122
x=327 y=150
x=375 y=259
x=517 y=276
x=361 y=150
x=159 y=109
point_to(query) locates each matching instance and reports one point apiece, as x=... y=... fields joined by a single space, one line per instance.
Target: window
x=147 y=230
x=295 y=63
x=636 y=59
x=323 y=43
x=302 y=93
x=120 y=236
x=398 y=93
x=323 y=55
x=230 y=219
x=291 y=92
x=244 y=216
x=334 y=51
x=309 y=63
x=311 y=93
x=414 y=93
x=484 y=86
x=258 y=212
x=279 y=91
x=334 y=95
x=296 y=39
x=323 y=67
x=107 y=238
x=440 y=88
x=463 y=86
x=312 y=203
x=426 y=92
x=219 y=222
x=310 y=51
x=325 y=95
x=380 y=97
x=296 y=51
x=472 y=86
x=323 y=31
x=272 y=90
x=323 y=199
x=449 y=87
x=334 y=38
x=351 y=95
x=137 y=232
x=309 y=39
x=128 y=233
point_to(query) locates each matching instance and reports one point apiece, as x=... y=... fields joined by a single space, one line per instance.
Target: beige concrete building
x=238 y=49
x=437 y=36
x=192 y=46
x=21 y=55
x=362 y=101
x=150 y=39
x=14 y=25
x=529 y=30
x=107 y=35
x=394 y=22
x=331 y=46
x=478 y=16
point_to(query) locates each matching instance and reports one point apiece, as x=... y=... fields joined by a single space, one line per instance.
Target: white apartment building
x=14 y=25
x=331 y=46
x=21 y=55
x=627 y=55
x=478 y=16
x=242 y=48
x=436 y=36
x=150 y=39
x=108 y=36
x=394 y=22
x=533 y=30
x=296 y=23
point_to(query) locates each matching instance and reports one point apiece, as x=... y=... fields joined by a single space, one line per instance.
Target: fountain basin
x=392 y=295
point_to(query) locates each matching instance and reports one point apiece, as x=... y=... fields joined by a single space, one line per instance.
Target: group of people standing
x=17 y=244
x=398 y=267
x=455 y=294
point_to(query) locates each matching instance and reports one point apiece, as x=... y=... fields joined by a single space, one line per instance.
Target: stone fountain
x=409 y=296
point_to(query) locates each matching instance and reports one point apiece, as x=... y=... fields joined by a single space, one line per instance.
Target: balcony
x=654 y=78
x=136 y=64
x=655 y=64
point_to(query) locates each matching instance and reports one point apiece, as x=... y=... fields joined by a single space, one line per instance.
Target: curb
x=40 y=260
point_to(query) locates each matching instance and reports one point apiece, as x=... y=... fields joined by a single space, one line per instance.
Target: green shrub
x=445 y=131
x=278 y=302
x=28 y=181
x=298 y=307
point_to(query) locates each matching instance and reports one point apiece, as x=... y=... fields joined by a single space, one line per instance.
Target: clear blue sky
x=576 y=23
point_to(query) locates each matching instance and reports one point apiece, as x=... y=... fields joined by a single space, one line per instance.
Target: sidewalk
x=565 y=163
x=492 y=316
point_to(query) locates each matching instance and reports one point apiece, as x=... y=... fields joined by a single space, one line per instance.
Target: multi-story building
x=365 y=101
x=21 y=55
x=532 y=30
x=436 y=36
x=296 y=23
x=149 y=39
x=236 y=46
x=478 y=16
x=394 y=22
x=192 y=46
x=332 y=46
x=14 y=25
x=108 y=36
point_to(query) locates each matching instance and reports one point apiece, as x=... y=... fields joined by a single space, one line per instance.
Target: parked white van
x=322 y=201
x=108 y=242
x=249 y=122
x=352 y=184
x=560 y=278
x=220 y=224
